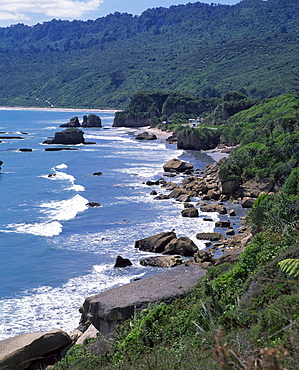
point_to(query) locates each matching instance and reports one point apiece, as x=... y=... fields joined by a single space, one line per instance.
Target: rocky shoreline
x=28 y=351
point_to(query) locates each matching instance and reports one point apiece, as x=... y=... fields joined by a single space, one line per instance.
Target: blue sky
x=31 y=12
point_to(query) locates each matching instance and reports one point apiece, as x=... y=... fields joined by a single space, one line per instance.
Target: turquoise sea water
x=54 y=250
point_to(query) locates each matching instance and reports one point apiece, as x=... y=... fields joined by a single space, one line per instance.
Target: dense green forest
x=204 y=50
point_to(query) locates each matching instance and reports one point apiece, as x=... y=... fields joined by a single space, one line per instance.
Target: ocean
x=55 y=250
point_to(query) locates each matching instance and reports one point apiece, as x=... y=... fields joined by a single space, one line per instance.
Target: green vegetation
x=241 y=314
x=268 y=134
x=200 y=49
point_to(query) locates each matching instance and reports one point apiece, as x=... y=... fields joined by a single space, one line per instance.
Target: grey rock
x=210 y=236
x=74 y=122
x=162 y=261
x=21 y=351
x=71 y=136
x=93 y=204
x=122 y=262
x=146 y=136
x=108 y=308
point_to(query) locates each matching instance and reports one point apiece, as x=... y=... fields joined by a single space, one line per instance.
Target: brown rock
x=231 y=212
x=177 y=165
x=203 y=256
x=182 y=246
x=177 y=192
x=190 y=212
x=213 y=208
x=230 y=232
x=247 y=202
x=156 y=243
x=183 y=198
x=222 y=223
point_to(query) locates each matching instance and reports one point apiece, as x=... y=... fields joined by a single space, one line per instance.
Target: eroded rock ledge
x=111 y=307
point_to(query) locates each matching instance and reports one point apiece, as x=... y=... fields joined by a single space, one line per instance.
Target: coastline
x=216 y=154
x=49 y=109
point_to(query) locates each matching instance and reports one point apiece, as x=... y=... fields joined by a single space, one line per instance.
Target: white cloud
x=13 y=16
x=17 y=9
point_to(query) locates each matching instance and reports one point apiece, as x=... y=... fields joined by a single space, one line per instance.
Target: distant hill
x=204 y=50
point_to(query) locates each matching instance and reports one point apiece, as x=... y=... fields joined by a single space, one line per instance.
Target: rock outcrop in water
x=92 y=120
x=146 y=136
x=177 y=165
x=167 y=243
x=74 y=122
x=71 y=136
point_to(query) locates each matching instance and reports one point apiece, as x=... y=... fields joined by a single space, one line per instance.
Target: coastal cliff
x=147 y=108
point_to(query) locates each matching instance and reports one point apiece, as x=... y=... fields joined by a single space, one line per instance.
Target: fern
x=290 y=266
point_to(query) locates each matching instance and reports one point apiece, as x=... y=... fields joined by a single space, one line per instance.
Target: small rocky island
x=92 y=120
x=70 y=136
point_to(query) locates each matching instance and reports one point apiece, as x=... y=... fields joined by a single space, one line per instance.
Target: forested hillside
x=204 y=50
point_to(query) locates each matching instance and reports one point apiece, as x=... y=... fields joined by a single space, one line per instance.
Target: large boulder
x=229 y=187
x=71 y=136
x=22 y=351
x=1 y=163
x=190 y=212
x=247 y=202
x=162 y=261
x=92 y=120
x=214 y=208
x=146 y=136
x=74 y=122
x=106 y=309
x=156 y=243
x=182 y=246
x=175 y=193
x=177 y=165
x=122 y=262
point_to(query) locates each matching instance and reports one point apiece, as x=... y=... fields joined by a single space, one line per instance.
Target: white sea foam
x=47 y=308
x=110 y=138
x=49 y=228
x=63 y=176
x=65 y=209
x=61 y=166
x=55 y=212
